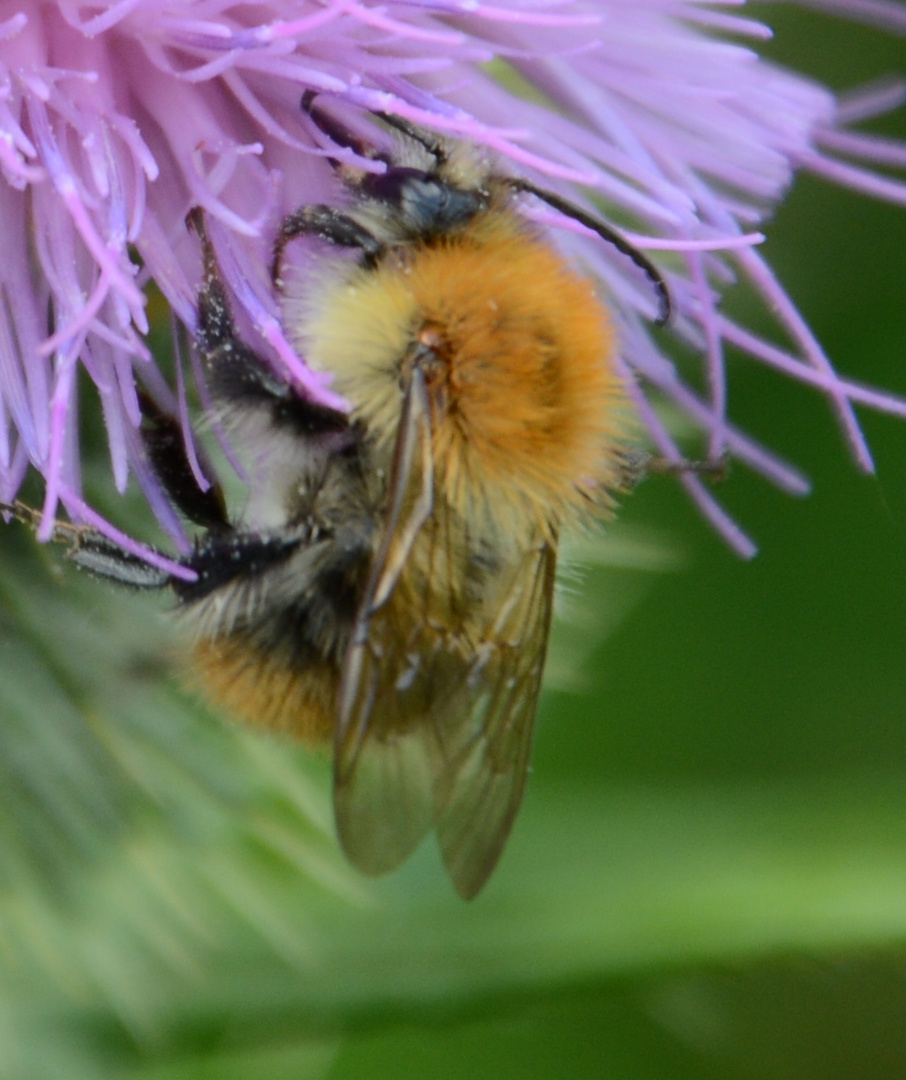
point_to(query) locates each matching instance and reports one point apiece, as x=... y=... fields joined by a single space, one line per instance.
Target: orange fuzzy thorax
x=528 y=412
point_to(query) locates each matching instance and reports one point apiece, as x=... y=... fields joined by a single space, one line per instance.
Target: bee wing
x=384 y=761
x=437 y=710
x=481 y=783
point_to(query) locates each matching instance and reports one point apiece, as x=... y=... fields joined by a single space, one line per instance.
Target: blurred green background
x=708 y=879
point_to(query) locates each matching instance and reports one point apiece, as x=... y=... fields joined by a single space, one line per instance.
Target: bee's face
x=390 y=586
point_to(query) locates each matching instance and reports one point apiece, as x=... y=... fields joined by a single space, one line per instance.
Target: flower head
x=117 y=118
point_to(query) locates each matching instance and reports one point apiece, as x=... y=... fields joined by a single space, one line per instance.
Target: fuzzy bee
x=389 y=585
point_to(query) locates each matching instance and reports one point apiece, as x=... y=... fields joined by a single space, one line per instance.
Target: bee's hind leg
x=94 y=552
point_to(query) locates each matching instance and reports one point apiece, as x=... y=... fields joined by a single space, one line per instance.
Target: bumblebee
x=389 y=585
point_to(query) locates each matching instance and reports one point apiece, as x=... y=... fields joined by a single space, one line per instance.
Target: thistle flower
x=116 y=118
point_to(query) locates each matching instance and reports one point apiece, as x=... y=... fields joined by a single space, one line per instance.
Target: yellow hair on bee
x=265 y=691
x=388 y=589
x=529 y=413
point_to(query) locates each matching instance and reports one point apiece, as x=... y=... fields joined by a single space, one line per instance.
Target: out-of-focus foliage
x=709 y=876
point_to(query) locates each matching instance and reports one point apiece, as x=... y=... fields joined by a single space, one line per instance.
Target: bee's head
x=425 y=205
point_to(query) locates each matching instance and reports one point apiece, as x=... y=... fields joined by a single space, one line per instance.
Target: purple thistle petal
x=117 y=118
x=761 y=275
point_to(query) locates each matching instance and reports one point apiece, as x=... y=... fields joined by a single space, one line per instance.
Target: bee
x=389 y=586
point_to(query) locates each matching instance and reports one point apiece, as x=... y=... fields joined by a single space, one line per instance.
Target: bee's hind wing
x=488 y=745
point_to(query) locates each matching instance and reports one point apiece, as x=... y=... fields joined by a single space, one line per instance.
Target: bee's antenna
x=606 y=233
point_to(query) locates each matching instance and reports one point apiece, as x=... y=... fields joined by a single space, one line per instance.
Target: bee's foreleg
x=325 y=223
x=242 y=382
x=235 y=371
x=338 y=132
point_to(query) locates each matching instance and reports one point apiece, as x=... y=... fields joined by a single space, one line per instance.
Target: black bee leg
x=235 y=372
x=103 y=557
x=164 y=442
x=342 y=136
x=239 y=379
x=328 y=224
x=92 y=551
x=220 y=559
x=337 y=132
